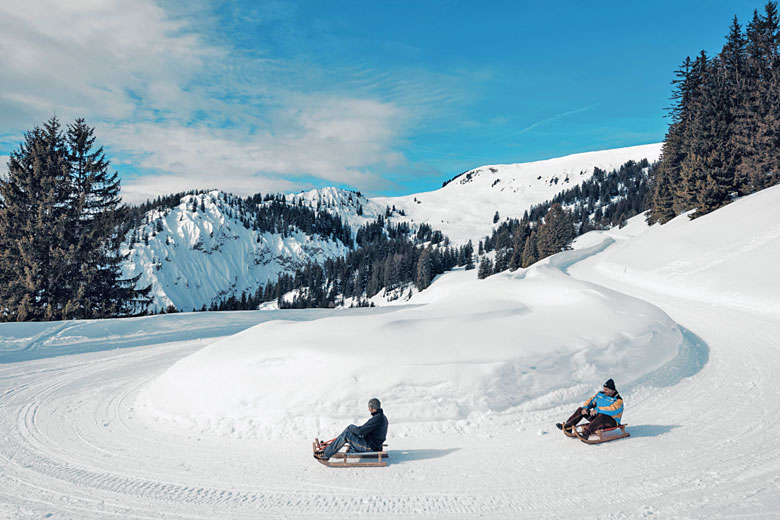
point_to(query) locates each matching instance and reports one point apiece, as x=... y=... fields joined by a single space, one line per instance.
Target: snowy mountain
x=205 y=248
x=464 y=208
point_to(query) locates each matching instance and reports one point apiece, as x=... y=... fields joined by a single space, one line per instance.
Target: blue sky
x=384 y=97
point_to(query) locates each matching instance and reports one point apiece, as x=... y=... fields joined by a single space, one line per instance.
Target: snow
x=711 y=259
x=83 y=434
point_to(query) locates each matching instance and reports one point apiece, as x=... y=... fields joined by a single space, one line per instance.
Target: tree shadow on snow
x=401 y=456
x=650 y=430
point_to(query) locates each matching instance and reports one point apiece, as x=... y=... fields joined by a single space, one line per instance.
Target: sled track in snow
x=72 y=446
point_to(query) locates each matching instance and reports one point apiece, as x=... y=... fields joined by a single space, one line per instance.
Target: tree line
x=723 y=140
x=389 y=257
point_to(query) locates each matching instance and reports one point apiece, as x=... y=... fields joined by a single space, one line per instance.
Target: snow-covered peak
x=465 y=207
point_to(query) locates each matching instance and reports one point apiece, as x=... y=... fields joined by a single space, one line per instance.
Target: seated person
x=603 y=410
x=369 y=437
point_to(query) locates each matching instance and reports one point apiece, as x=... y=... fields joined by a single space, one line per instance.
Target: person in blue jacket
x=369 y=437
x=603 y=410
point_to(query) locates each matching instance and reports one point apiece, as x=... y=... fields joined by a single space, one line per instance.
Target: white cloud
x=108 y=59
x=335 y=140
x=165 y=101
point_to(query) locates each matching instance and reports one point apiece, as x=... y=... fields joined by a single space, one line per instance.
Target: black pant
x=598 y=422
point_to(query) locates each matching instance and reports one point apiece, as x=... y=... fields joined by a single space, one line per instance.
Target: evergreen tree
x=557 y=232
x=529 y=250
x=35 y=214
x=485 y=268
x=424 y=270
x=98 y=232
x=468 y=253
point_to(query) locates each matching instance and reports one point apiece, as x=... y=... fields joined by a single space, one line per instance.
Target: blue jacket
x=612 y=406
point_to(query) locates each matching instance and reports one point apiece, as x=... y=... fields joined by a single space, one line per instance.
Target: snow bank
x=714 y=258
x=471 y=349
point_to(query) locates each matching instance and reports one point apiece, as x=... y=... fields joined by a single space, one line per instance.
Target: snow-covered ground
x=472 y=379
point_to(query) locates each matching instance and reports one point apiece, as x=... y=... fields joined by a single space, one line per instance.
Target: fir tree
x=529 y=250
x=557 y=232
x=485 y=268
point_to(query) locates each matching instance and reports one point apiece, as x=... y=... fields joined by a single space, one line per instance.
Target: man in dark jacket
x=368 y=437
x=603 y=410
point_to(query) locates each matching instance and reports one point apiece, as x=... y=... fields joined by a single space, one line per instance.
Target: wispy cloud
x=544 y=121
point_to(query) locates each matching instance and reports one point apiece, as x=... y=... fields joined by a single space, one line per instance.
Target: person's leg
x=337 y=443
x=600 y=422
x=575 y=418
x=356 y=442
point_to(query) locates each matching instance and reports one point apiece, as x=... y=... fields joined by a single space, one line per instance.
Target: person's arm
x=590 y=403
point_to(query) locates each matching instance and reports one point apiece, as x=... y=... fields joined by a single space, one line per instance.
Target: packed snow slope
x=729 y=257
x=78 y=442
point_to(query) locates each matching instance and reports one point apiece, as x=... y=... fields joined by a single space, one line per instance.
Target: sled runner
x=605 y=435
x=362 y=459
x=569 y=432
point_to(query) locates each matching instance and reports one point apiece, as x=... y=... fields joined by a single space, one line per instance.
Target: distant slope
x=465 y=207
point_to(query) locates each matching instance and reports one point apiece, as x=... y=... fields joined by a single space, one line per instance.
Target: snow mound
x=470 y=350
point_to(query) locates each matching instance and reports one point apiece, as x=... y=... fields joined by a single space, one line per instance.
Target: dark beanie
x=610 y=384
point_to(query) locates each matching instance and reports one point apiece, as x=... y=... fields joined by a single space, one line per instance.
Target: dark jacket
x=375 y=430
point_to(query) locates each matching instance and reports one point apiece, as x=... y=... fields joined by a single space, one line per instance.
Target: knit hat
x=610 y=384
x=374 y=404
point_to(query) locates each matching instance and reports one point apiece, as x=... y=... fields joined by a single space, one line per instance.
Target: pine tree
x=468 y=252
x=424 y=270
x=35 y=214
x=529 y=250
x=485 y=268
x=557 y=232
x=98 y=231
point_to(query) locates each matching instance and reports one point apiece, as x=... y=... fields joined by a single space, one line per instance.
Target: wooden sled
x=604 y=435
x=375 y=459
